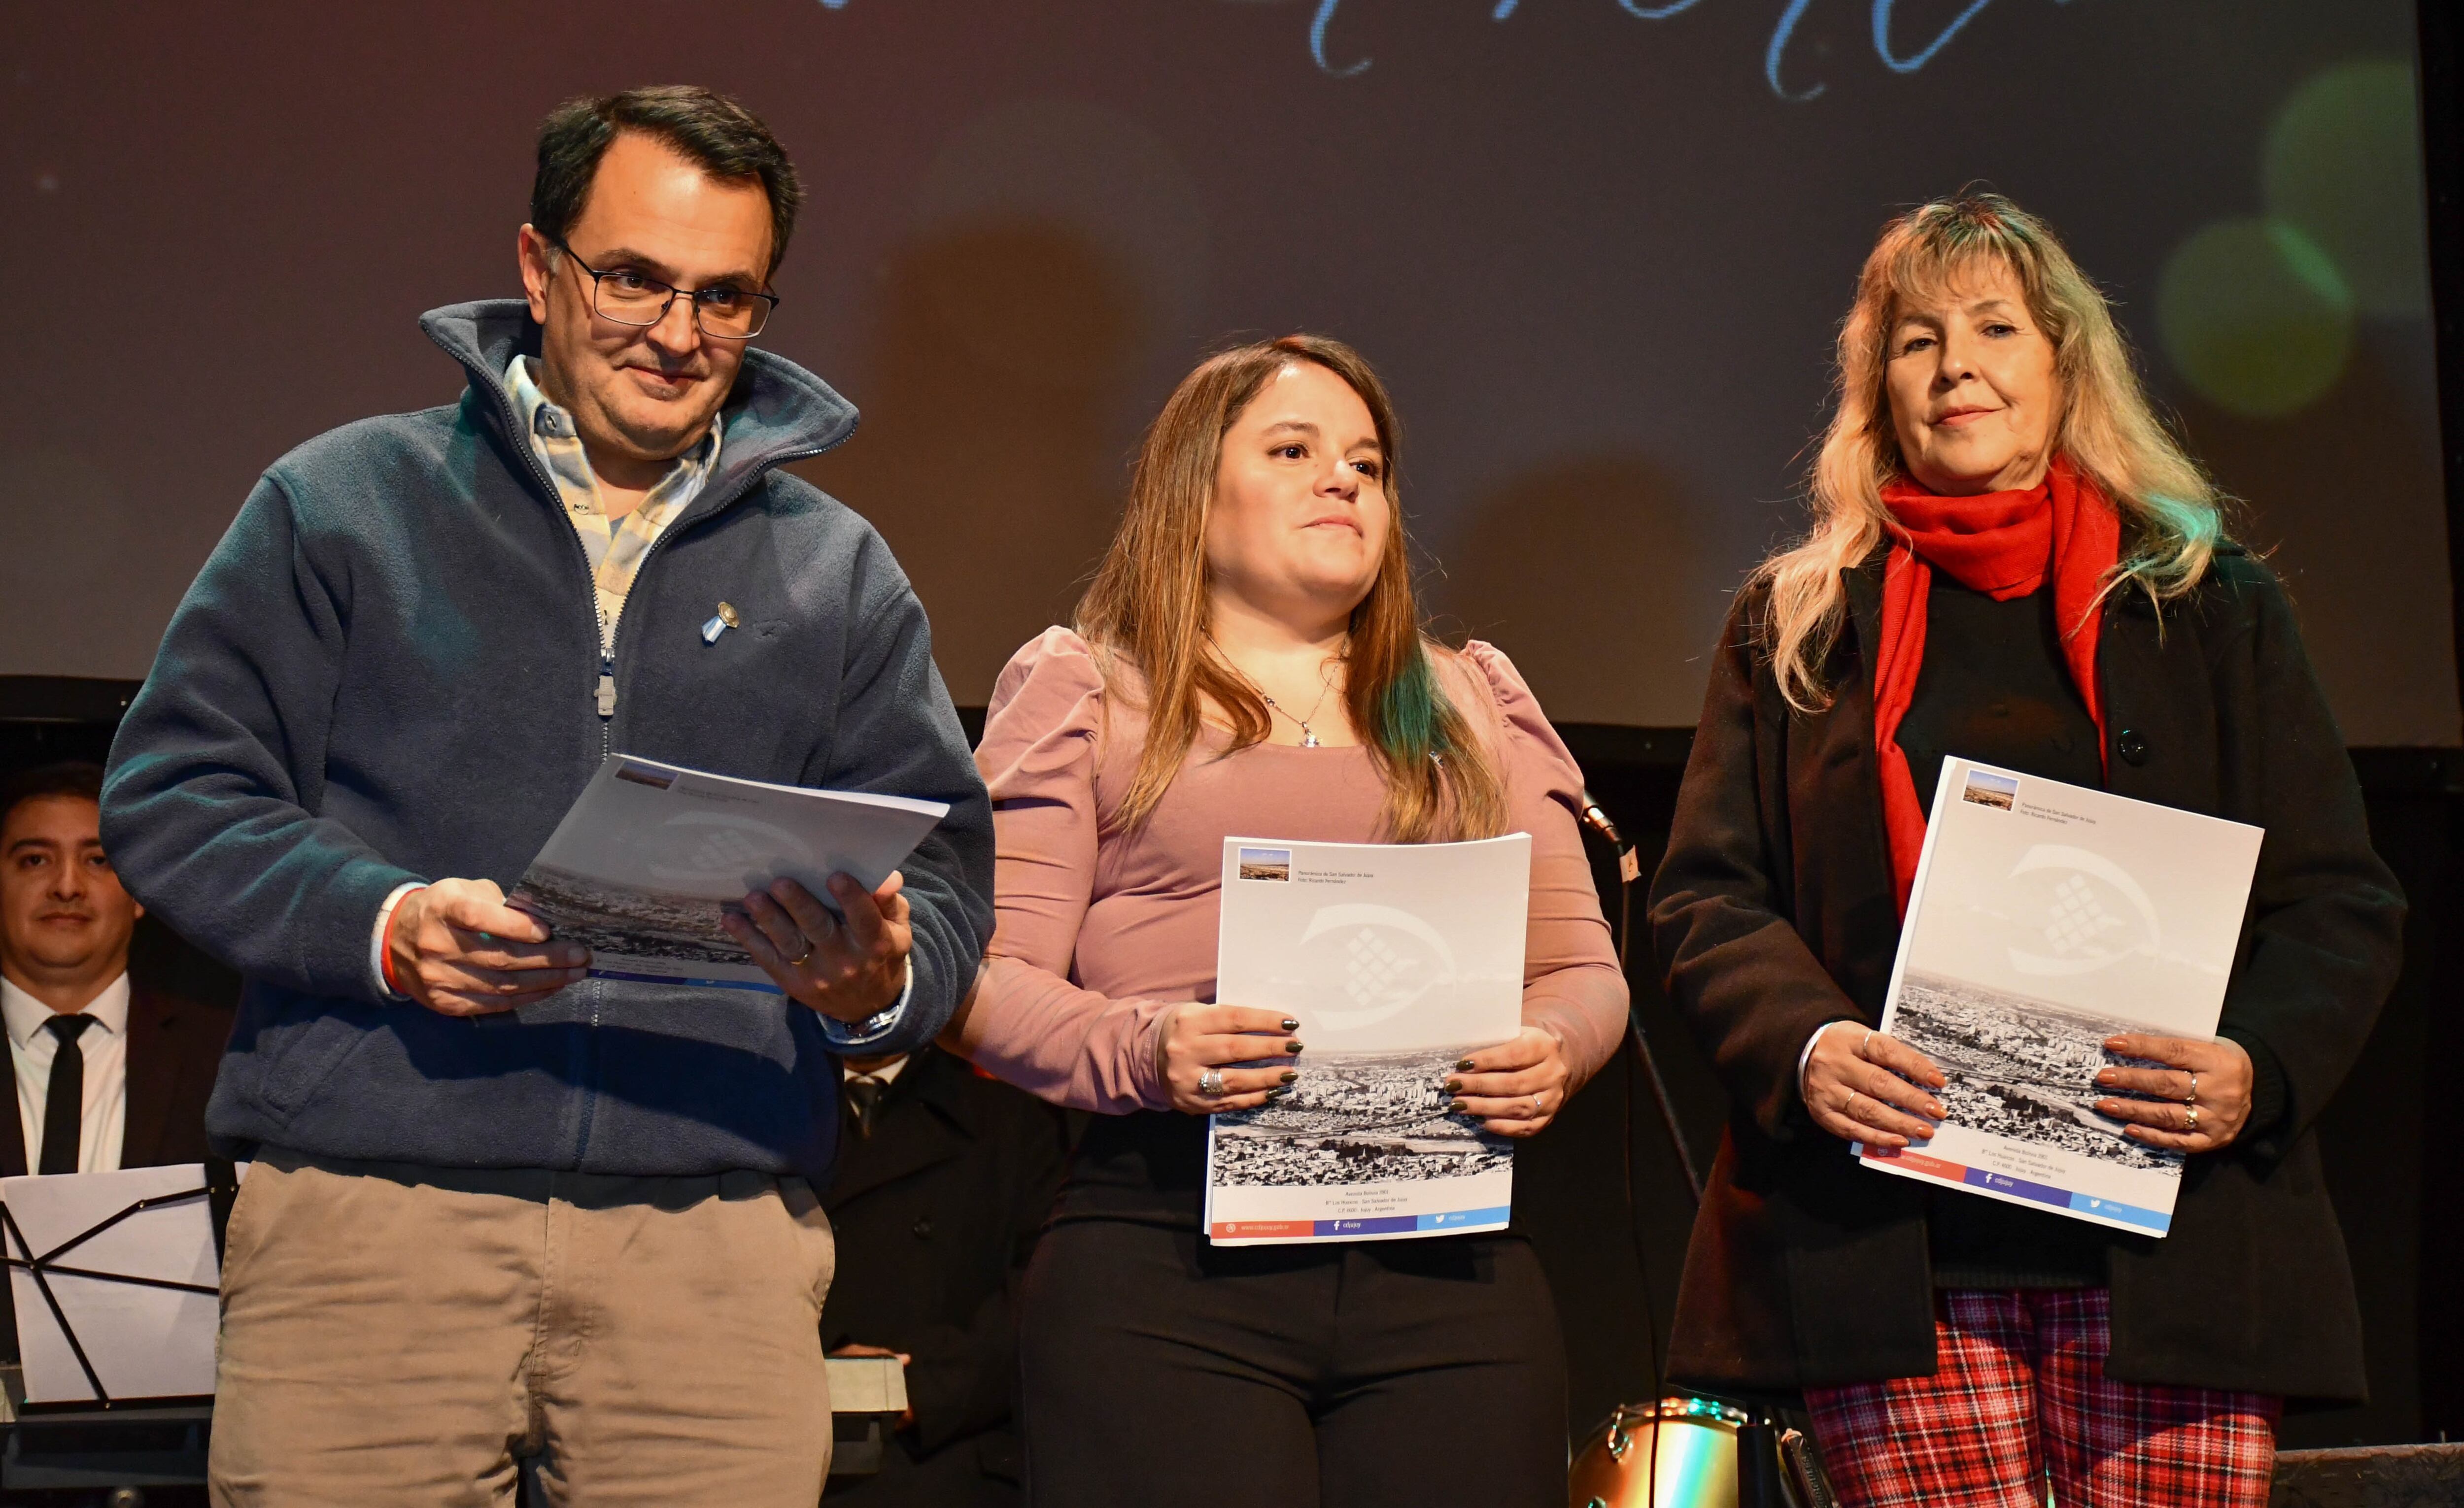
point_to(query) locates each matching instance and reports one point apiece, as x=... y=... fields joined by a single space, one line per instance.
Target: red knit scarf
x=2003 y=544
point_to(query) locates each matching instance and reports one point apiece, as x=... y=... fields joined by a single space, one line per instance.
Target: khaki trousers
x=394 y=1334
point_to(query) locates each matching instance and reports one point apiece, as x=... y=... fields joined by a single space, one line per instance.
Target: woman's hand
x=1862 y=1085
x=1199 y=1041
x=1516 y=1087
x=2199 y=1103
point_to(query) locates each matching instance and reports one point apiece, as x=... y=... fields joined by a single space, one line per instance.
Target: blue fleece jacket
x=386 y=672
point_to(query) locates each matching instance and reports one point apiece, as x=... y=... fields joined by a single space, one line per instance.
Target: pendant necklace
x=1308 y=735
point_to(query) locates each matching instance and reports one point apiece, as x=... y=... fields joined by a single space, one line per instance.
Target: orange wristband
x=384 y=949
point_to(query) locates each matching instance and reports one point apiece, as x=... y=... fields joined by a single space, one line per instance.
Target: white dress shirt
x=104 y=1125
x=885 y=1076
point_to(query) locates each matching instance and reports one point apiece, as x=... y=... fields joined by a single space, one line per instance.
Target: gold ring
x=797 y=962
x=2194 y=1122
x=2193 y=1096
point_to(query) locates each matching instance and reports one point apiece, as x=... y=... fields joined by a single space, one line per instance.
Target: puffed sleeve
x=1027 y=1023
x=1571 y=988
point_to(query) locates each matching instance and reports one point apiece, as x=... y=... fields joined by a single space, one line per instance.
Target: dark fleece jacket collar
x=776 y=413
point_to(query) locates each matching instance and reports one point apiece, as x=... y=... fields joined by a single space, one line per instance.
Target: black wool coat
x=1773 y=913
x=935 y=1214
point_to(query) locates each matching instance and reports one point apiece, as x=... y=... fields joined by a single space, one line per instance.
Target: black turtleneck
x=1995 y=688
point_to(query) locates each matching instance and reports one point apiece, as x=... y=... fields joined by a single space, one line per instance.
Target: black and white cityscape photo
x=608 y=916
x=2021 y=1068
x=1355 y=1118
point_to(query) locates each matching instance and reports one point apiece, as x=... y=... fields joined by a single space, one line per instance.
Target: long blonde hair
x=1149 y=606
x=2170 y=511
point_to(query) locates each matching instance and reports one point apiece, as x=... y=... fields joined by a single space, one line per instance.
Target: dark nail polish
x=1291 y=1048
x=1463 y=1067
x=1290 y=1076
x=1454 y=1086
x=1455 y=1107
x=1291 y=1025
x=1279 y=1091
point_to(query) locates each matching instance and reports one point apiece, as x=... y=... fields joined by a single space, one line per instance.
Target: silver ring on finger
x=1210 y=1084
x=1535 y=1108
x=1848 y=1108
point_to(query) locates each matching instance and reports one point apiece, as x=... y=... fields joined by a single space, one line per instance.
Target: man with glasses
x=506 y=1218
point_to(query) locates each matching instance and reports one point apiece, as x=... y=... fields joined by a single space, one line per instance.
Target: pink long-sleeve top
x=1101 y=932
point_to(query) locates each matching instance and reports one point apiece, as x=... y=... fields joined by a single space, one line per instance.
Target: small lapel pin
x=725 y=619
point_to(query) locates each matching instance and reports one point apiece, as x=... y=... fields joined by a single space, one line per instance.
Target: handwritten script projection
x=1901 y=54
x=1896 y=52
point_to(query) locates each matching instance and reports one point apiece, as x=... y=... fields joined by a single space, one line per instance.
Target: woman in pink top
x=1249 y=660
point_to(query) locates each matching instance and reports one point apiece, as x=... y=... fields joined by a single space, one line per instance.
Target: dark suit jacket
x=936 y=1216
x=1773 y=913
x=174 y=1047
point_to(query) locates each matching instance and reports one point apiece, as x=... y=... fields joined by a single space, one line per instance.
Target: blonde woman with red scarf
x=2012 y=562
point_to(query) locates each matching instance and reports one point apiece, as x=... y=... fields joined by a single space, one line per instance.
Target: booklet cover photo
x=1398 y=959
x=2046 y=918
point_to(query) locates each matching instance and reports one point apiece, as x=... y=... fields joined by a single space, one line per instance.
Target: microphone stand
x=1629 y=874
x=1776 y=1464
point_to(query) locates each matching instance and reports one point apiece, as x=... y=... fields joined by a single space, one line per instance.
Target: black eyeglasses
x=634 y=298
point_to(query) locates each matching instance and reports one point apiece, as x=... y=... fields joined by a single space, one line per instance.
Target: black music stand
x=105 y=1442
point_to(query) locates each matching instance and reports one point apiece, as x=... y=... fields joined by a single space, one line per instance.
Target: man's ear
x=537 y=261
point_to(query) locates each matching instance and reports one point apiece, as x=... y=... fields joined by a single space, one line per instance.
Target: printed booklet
x=651 y=856
x=1398 y=959
x=2046 y=918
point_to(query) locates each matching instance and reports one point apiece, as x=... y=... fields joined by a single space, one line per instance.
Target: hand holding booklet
x=2045 y=919
x=651 y=856
x=1398 y=959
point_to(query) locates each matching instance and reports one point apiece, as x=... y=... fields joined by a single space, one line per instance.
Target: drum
x=1679 y=1453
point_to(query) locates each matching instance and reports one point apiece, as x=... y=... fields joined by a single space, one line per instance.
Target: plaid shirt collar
x=616 y=547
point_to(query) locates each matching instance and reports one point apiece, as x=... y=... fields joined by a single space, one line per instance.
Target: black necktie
x=864 y=1104
x=64 y=1102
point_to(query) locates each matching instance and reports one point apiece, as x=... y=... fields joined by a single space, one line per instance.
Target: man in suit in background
x=944 y=1180
x=107 y=1074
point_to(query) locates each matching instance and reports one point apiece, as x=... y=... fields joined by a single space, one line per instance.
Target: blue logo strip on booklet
x=2155 y=1220
x=698 y=984
x=1398 y=1224
x=2047 y=1194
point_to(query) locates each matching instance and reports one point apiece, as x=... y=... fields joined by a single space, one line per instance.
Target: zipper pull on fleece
x=607 y=686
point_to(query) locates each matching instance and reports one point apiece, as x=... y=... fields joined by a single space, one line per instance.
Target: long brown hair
x=1149 y=606
x=2170 y=511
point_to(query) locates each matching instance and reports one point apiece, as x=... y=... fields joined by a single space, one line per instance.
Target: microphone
x=1598 y=821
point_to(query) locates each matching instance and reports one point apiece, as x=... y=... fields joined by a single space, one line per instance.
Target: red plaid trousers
x=2020 y=1393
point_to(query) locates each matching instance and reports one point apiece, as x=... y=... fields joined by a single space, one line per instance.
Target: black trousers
x=1161 y=1369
